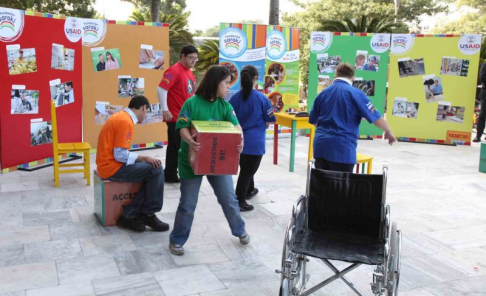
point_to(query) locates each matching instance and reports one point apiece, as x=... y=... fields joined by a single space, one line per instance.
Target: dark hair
x=108 y=53
x=101 y=55
x=138 y=102
x=248 y=73
x=69 y=84
x=17 y=93
x=345 y=70
x=188 y=49
x=208 y=88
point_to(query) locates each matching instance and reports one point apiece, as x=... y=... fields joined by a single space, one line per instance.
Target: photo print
x=21 y=60
x=327 y=64
x=276 y=101
x=154 y=114
x=62 y=93
x=62 y=58
x=404 y=109
x=24 y=101
x=233 y=71
x=106 y=59
x=129 y=87
x=408 y=67
x=371 y=64
x=40 y=132
x=150 y=58
x=367 y=86
x=103 y=111
x=434 y=91
x=454 y=67
x=323 y=82
x=269 y=85
x=361 y=58
x=276 y=71
x=448 y=113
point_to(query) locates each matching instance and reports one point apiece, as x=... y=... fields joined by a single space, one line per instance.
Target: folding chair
x=342 y=217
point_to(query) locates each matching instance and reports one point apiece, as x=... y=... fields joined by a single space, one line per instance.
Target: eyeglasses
x=192 y=58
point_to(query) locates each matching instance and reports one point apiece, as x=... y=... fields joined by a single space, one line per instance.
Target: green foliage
x=166 y=6
x=77 y=8
x=362 y=24
x=208 y=55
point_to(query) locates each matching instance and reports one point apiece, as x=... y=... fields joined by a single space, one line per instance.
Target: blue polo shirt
x=252 y=114
x=437 y=89
x=338 y=111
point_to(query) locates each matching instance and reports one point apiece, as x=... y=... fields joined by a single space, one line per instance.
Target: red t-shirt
x=179 y=82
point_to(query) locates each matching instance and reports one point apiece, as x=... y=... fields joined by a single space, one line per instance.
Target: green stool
x=482 y=159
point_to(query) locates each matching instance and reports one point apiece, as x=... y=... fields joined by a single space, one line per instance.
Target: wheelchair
x=342 y=217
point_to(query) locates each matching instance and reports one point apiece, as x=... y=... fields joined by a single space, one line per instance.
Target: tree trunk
x=155 y=10
x=39 y=5
x=274 y=12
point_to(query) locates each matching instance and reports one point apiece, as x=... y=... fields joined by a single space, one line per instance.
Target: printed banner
x=281 y=83
x=241 y=45
x=367 y=52
x=432 y=86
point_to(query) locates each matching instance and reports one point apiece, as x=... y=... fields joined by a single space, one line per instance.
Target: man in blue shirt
x=437 y=88
x=370 y=66
x=337 y=113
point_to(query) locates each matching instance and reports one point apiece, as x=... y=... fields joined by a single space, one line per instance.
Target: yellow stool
x=364 y=159
x=64 y=148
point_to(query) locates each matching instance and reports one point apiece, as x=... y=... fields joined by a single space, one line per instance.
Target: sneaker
x=133 y=224
x=176 y=249
x=252 y=193
x=245 y=238
x=477 y=140
x=154 y=222
x=244 y=206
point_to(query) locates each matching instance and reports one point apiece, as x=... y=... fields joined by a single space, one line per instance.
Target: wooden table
x=294 y=123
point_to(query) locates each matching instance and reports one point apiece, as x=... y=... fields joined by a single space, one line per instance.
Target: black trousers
x=482 y=115
x=171 y=157
x=249 y=165
x=323 y=164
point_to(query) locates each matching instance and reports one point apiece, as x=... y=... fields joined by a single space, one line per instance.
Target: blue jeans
x=224 y=191
x=150 y=198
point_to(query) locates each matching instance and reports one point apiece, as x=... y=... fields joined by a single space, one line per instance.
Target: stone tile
x=12 y=255
x=281 y=208
x=43 y=218
x=52 y=203
x=144 y=261
x=18 y=293
x=77 y=289
x=200 y=253
x=20 y=186
x=416 y=292
x=188 y=280
x=24 y=235
x=10 y=178
x=243 y=272
x=86 y=269
x=241 y=291
x=74 y=230
x=209 y=232
x=149 y=240
x=83 y=214
x=461 y=238
x=417 y=244
x=469 y=286
x=54 y=250
x=30 y=276
x=32 y=202
x=137 y=284
x=235 y=251
x=10 y=202
x=63 y=182
x=106 y=244
x=11 y=219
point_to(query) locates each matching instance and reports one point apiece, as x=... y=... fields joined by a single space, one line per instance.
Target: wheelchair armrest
x=296 y=205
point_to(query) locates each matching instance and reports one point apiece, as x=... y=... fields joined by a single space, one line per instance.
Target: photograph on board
x=367 y=86
x=62 y=58
x=454 y=67
x=129 y=87
x=448 y=113
x=408 y=67
x=62 y=93
x=24 y=101
x=21 y=61
x=106 y=59
x=434 y=91
x=327 y=64
x=151 y=59
x=154 y=114
x=40 y=133
x=103 y=111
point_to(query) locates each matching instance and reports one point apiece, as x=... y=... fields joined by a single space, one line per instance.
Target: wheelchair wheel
x=394 y=261
x=284 y=288
x=294 y=277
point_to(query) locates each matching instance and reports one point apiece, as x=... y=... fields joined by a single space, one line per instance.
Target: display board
x=367 y=52
x=241 y=45
x=432 y=87
x=281 y=83
x=129 y=60
x=38 y=62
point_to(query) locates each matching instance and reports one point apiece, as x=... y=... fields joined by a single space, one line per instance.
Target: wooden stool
x=111 y=197
x=364 y=159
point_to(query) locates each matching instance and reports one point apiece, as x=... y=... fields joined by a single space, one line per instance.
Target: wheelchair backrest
x=346 y=203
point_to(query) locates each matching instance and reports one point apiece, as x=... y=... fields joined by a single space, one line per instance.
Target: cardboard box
x=218 y=154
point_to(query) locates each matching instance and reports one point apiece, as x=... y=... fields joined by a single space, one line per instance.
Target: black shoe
x=244 y=206
x=154 y=223
x=477 y=140
x=172 y=180
x=252 y=193
x=133 y=224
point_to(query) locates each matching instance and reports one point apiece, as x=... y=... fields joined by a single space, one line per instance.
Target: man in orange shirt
x=116 y=163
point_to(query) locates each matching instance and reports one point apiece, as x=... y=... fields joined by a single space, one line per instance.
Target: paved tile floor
x=51 y=243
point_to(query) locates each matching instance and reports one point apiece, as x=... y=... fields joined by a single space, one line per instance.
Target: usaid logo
x=401 y=43
x=93 y=31
x=320 y=41
x=232 y=43
x=380 y=42
x=11 y=24
x=73 y=29
x=276 y=45
x=470 y=44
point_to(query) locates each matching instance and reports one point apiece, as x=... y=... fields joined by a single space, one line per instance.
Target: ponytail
x=248 y=73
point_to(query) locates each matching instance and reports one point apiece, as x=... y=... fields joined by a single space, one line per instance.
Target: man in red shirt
x=177 y=85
